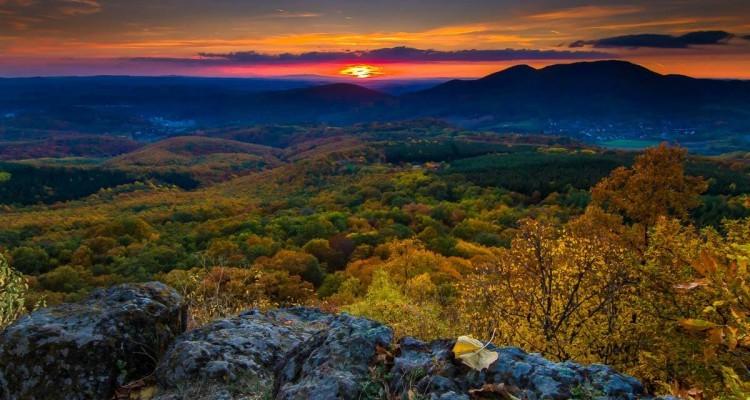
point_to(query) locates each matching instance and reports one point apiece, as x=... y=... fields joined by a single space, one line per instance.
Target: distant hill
x=111 y=90
x=207 y=159
x=605 y=91
x=340 y=102
x=600 y=100
x=21 y=147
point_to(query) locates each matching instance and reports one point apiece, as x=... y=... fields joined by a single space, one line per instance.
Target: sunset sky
x=403 y=39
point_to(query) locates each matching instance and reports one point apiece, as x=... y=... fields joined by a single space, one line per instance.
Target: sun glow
x=362 y=71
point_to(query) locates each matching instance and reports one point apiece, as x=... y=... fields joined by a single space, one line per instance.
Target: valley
x=435 y=228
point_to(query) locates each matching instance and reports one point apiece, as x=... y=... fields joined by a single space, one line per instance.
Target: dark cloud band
x=658 y=40
x=392 y=54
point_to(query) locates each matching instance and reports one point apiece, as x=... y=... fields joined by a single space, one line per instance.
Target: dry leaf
x=499 y=390
x=473 y=353
x=731 y=337
x=696 y=325
x=715 y=335
x=146 y=393
x=142 y=389
x=382 y=355
x=691 y=285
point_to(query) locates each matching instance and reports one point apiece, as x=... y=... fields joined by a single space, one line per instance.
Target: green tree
x=321 y=249
x=295 y=263
x=66 y=279
x=31 y=260
x=222 y=252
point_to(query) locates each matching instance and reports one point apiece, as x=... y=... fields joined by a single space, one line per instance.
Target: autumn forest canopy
x=633 y=259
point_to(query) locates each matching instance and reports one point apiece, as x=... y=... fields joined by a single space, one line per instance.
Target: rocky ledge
x=129 y=342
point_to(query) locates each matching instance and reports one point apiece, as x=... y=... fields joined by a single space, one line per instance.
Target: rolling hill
x=58 y=145
x=207 y=159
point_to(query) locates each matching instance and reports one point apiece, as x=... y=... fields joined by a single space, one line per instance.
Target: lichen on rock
x=235 y=356
x=296 y=353
x=84 y=350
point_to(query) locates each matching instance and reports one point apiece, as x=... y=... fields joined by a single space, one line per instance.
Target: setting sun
x=362 y=71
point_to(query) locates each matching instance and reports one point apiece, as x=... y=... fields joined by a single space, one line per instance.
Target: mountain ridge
x=617 y=90
x=595 y=96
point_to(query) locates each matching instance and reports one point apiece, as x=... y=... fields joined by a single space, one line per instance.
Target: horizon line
x=336 y=78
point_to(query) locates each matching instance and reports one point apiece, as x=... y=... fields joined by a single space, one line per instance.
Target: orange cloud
x=22 y=15
x=661 y=22
x=586 y=12
x=287 y=14
x=449 y=37
x=80 y=7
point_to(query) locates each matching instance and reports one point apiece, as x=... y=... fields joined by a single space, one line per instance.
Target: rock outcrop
x=334 y=363
x=87 y=350
x=296 y=353
x=234 y=353
x=431 y=370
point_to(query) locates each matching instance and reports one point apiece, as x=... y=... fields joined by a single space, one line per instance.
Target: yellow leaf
x=696 y=325
x=479 y=360
x=473 y=354
x=466 y=344
x=709 y=353
x=716 y=335
x=731 y=337
x=737 y=314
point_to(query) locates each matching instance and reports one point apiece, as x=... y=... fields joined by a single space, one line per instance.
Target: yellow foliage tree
x=558 y=292
x=13 y=288
x=655 y=186
x=386 y=301
x=693 y=308
x=405 y=259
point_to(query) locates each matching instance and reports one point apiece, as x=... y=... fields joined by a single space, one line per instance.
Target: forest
x=633 y=259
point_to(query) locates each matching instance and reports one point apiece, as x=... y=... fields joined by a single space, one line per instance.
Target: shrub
x=13 y=289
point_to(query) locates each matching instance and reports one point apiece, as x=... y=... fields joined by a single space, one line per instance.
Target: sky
x=392 y=39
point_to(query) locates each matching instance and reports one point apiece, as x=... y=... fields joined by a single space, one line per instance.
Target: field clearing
x=629 y=144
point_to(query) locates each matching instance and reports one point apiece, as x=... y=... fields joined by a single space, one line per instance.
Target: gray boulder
x=333 y=364
x=236 y=356
x=296 y=353
x=85 y=350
